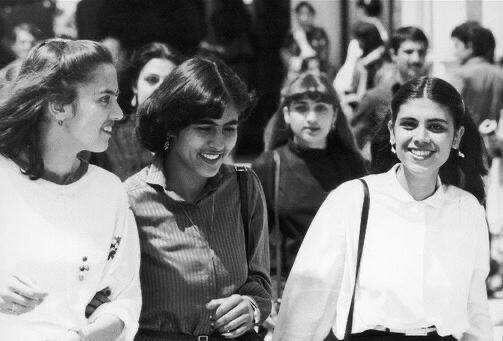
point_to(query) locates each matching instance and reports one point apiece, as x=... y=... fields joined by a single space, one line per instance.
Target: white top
x=47 y=230
x=424 y=263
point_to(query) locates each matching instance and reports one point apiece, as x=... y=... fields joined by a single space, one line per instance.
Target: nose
x=311 y=115
x=217 y=139
x=117 y=113
x=415 y=57
x=421 y=136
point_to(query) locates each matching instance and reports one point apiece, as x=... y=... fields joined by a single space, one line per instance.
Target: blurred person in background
x=20 y=40
x=370 y=11
x=305 y=41
x=67 y=231
x=309 y=152
x=479 y=81
x=147 y=69
x=408 y=49
x=425 y=253
x=205 y=248
x=366 y=54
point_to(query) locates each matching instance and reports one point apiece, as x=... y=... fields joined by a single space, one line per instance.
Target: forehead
x=230 y=115
x=423 y=109
x=412 y=45
x=304 y=10
x=103 y=77
x=158 y=66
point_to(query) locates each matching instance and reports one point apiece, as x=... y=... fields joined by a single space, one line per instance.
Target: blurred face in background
x=461 y=51
x=410 y=58
x=151 y=76
x=310 y=122
x=305 y=18
x=23 y=43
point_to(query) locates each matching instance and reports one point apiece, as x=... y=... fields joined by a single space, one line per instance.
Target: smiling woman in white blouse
x=67 y=231
x=426 y=250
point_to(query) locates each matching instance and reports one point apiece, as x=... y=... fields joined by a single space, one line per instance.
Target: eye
x=231 y=129
x=152 y=79
x=321 y=108
x=105 y=99
x=300 y=108
x=408 y=124
x=437 y=127
x=204 y=128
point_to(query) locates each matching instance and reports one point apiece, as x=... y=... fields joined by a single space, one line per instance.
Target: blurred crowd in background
x=269 y=43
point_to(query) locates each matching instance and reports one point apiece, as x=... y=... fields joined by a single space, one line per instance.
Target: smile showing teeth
x=421 y=153
x=211 y=156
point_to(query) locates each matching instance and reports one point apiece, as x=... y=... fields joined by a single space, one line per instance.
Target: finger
x=27 y=287
x=227 y=305
x=14 y=298
x=215 y=303
x=235 y=324
x=234 y=313
x=238 y=332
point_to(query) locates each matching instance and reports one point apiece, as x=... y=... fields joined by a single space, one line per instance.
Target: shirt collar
x=435 y=200
x=156 y=178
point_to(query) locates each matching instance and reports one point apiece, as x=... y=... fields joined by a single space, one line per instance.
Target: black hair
x=408 y=33
x=479 y=38
x=464 y=172
x=367 y=35
x=305 y=4
x=317 y=88
x=49 y=73
x=196 y=89
x=373 y=8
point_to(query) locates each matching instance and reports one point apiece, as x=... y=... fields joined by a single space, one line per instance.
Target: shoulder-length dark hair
x=317 y=88
x=49 y=73
x=196 y=89
x=464 y=172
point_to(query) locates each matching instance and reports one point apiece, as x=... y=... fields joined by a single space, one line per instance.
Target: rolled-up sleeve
x=121 y=275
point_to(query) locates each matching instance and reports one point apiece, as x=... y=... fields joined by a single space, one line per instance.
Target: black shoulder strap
x=361 y=240
x=243 y=198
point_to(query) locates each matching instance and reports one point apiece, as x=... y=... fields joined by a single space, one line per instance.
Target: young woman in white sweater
x=67 y=231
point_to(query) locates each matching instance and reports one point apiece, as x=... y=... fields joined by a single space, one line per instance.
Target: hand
x=233 y=315
x=20 y=295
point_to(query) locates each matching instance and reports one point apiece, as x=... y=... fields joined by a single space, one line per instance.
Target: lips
x=421 y=154
x=211 y=157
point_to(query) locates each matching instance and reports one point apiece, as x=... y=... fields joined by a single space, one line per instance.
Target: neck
x=182 y=180
x=313 y=145
x=60 y=159
x=419 y=187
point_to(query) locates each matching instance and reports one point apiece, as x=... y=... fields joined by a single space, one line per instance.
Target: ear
x=286 y=115
x=60 y=112
x=392 y=140
x=457 y=137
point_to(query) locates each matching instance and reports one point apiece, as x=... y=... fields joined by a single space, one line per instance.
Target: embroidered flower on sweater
x=113 y=247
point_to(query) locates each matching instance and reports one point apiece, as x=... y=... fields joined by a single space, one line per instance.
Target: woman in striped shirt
x=204 y=269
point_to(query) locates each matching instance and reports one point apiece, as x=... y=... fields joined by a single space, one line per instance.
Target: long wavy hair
x=50 y=73
x=464 y=172
x=317 y=88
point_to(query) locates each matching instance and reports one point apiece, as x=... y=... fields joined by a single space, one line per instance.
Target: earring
x=134 y=101
x=460 y=154
x=60 y=122
x=167 y=144
x=393 y=150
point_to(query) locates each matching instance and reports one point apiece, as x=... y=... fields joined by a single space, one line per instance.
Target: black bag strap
x=361 y=241
x=277 y=230
x=243 y=198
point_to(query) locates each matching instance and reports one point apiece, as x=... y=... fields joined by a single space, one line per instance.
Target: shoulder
x=463 y=198
x=264 y=160
x=136 y=182
x=102 y=175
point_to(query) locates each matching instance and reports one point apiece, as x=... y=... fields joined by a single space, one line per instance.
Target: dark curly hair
x=198 y=88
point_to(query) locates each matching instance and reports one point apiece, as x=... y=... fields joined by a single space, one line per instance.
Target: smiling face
x=151 y=76
x=202 y=147
x=310 y=122
x=95 y=110
x=410 y=59
x=424 y=135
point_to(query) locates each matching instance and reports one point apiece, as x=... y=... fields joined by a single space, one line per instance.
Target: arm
x=308 y=307
x=258 y=283
x=121 y=275
x=478 y=307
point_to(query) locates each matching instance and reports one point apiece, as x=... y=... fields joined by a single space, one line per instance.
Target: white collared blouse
x=424 y=263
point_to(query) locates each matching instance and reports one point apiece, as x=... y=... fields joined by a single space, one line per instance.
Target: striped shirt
x=195 y=252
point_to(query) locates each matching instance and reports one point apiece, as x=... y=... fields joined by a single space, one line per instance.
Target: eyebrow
x=211 y=122
x=109 y=92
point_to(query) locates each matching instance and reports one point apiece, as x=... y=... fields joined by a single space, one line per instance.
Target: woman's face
x=424 y=135
x=151 y=76
x=203 y=147
x=94 y=111
x=310 y=122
